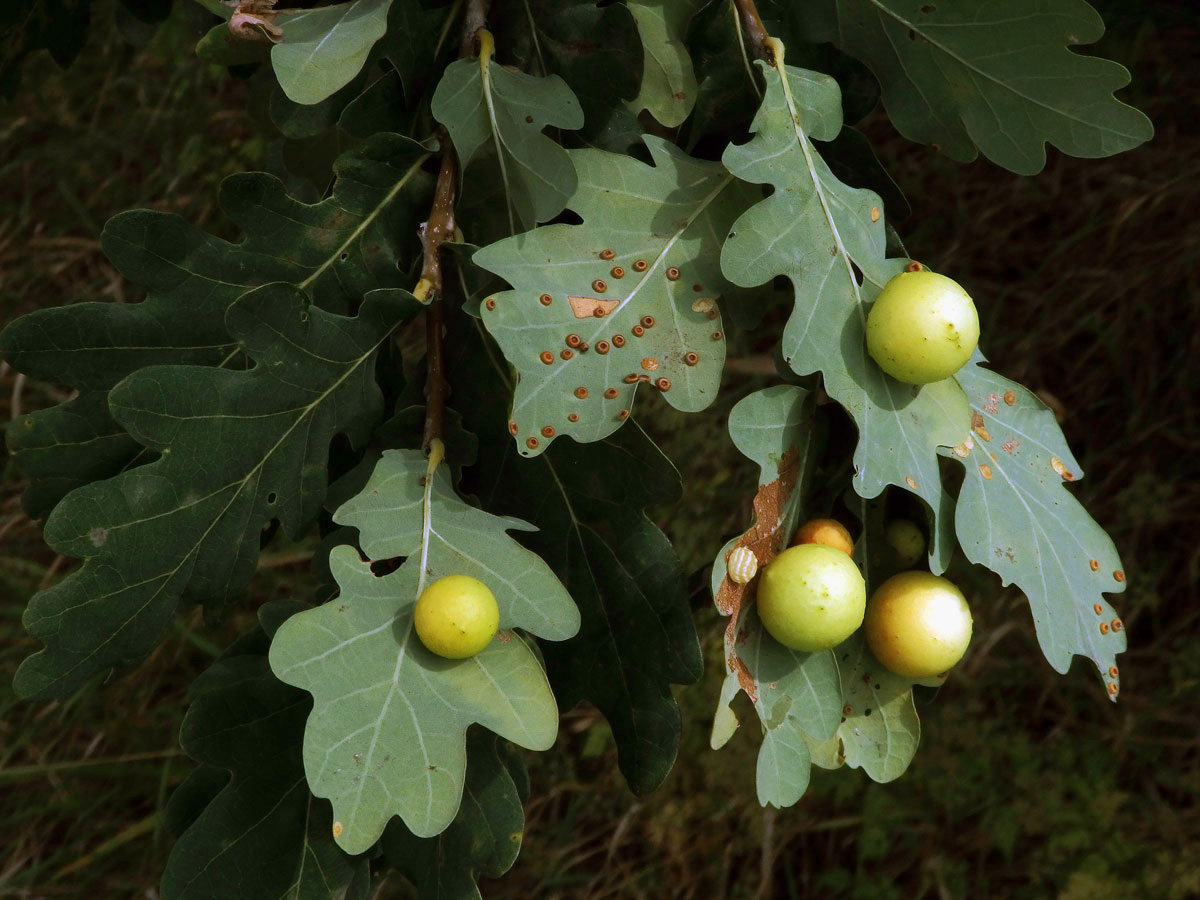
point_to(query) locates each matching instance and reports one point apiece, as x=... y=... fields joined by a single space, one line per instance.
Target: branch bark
x=756 y=32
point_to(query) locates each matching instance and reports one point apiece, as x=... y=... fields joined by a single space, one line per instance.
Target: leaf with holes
x=321 y=50
x=668 y=88
x=627 y=298
x=961 y=75
x=1016 y=517
x=485 y=836
x=353 y=242
x=485 y=106
x=794 y=693
x=880 y=729
x=260 y=832
x=236 y=450
x=821 y=234
x=387 y=735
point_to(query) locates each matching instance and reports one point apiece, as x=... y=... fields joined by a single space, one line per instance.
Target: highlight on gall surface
x=918 y=625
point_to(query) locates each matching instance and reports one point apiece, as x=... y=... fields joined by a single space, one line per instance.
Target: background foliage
x=1090 y=267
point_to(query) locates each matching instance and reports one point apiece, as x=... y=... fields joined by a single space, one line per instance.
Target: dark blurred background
x=1026 y=784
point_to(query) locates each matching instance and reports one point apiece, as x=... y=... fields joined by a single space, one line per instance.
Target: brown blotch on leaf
x=639 y=266
x=914 y=266
x=847 y=710
x=548 y=431
x=623 y=414
x=601 y=347
x=1119 y=575
x=581 y=393
x=691 y=358
x=512 y=427
x=1010 y=446
x=716 y=335
x=1112 y=688
x=910 y=481
x=649 y=364
x=547 y=357
x=586 y=307
x=672 y=273
x=1117 y=625
x=574 y=340
x=1112 y=671
x=1062 y=471
x=1099 y=610
x=618 y=340
x=875 y=213
x=983 y=433
x=1104 y=628
x=617 y=272
x=976 y=420
x=529 y=120
x=697 y=288
x=607 y=254
x=632 y=378
x=566 y=354
x=647 y=321
x=546 y=299
x=337 y=828
x=986 y=472
x=638 y=330
x=610 y=393
x=992 y=405
x=532 y=443
x=599 y=286
x=1094 y=565
x=663 y=384
x=1010 y=398
x=490 y=303
x=572 y=417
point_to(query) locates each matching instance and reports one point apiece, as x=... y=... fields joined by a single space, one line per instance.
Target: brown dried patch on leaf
x=586 y=307
x=1010 y=446
x=993 y=403
x=976 y=420
x=963 y=450
x=765 y=540
x=910 y=481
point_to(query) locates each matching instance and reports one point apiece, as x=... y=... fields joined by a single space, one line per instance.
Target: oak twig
x=438 y=228
x=755 y=31
x=474 y=18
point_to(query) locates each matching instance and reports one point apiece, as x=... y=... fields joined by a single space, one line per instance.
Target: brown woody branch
x=474 y=18
x=438 y=228
x=756 y=33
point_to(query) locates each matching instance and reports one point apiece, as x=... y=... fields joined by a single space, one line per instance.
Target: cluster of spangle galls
x=643 y=369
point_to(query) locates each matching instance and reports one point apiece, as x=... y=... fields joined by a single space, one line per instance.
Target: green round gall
x=811 y=597
x=456 y=616
x=922 y=328
x=906 y=541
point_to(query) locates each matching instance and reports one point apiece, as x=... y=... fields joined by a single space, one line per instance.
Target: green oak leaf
x=485 y=106
x=60 y=26
x=628 y=297
x=260 y=832
x=796 y=695
x=337 y=250
x=880 y=730
x=1016 y=517
x=387 y=735
x=237 y=449
x=637 y=636
x=323 y=49
x=962 y=76
x=596 y=51
x=822 y=234
x=484 y=838
x=668 y=89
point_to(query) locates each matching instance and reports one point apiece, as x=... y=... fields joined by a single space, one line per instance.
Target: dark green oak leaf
x=628 y=297
x=968 y=74
x=387 y=735
x=59 y=26
x=637 y=636
x=796 y=695
x=336 y=250
x=484 y=838
x=250 y=827
x=237 y=450
x=1016 y=517
x=485 y=106
x=596 y=51
x=829 y=240
x=668 y=88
